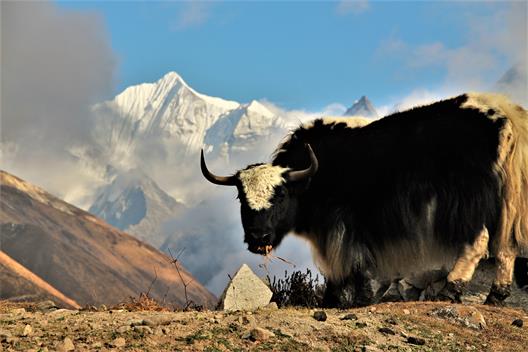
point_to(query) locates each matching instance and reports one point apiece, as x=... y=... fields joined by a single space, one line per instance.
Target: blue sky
x=307 y=55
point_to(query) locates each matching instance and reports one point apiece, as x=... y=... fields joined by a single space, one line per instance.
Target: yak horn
x=310 y=171
x=217 y=180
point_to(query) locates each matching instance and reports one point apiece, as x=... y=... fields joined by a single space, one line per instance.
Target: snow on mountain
x=167 y=109
x=362 y=107
x=133 y=202
x=242 y=129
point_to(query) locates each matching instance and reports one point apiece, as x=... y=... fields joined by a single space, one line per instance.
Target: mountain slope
x=134 y=203
x=362 y=107
x=20 y=284
x=80 y=255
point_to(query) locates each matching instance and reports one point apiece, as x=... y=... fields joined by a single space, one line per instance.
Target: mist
x=56 y=64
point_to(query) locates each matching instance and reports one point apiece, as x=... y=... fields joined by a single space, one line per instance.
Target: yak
x=444 y=184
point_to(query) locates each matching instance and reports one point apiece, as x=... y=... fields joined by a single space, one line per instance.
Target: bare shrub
x=298 y=289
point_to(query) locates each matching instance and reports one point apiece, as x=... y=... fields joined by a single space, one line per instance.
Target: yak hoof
x=498 y=294
x=452 y=291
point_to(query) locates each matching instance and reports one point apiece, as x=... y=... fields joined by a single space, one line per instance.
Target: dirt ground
x=404 y=326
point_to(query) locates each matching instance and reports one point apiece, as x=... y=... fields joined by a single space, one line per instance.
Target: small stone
x=46 y=306
x=18 y=311
x=386 y=331
x=66 y=345
x=350 y=316
x=97 y=344
x=361 y=324
x=102 y=308
x=28 y=330
x=391 y=321
x=143 y=329
x=406 y=312
x=12 y=340
x=320 y=315
x=4 y=334
x=148 y=322
x=118 y=342
x=416 y=340
x=518 y=323
x=245 y=320
x=135 y=322
x=260 y=334
x=123 y=329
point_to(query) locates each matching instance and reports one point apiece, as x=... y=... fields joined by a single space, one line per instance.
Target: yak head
x=268 y=197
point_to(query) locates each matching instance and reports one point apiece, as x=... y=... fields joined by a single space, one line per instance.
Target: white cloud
x=55 y=64
x=193 y=13
x=345 y=7
x=490 y=40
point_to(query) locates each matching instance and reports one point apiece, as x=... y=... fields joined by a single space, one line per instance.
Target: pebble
x=361 y=325
x=66 y=345
x=143 y=329
x=123 y=329
x=97 y=344
x=386 y=331
x=28 y=330
x=518 y=323
x=350 y=316
x=245 y=320
x=4 y=334
x=18 y=311
x=118 y=342
x=320 y=315
x=147 y=322
x=391 y=321
x=406 y=312
x=416 y=340
x=260 y=334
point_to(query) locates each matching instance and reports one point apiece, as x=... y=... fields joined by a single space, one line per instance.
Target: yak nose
x=266 y=237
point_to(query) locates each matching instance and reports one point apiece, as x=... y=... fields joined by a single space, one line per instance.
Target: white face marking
x=259 y=183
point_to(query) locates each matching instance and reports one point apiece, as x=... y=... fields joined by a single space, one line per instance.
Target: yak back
x=382 y=181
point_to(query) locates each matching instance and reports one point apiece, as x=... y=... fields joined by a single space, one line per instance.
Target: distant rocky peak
x=362 y=107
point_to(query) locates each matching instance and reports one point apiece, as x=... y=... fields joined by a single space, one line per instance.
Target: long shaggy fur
x=413 y=187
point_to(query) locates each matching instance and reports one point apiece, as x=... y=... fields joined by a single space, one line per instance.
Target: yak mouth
x=262 y=250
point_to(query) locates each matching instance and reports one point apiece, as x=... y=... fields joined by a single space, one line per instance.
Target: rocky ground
x=402 y=326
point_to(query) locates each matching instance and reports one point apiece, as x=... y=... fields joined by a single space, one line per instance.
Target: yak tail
x=512 y=166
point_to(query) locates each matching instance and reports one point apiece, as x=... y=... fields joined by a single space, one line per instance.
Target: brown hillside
x=18 y=283
x=82 y=256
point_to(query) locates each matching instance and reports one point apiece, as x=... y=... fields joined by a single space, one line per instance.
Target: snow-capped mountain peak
x=362 y=107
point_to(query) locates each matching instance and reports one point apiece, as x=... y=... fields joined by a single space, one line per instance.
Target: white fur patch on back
x=486 y=101
x=259 y=184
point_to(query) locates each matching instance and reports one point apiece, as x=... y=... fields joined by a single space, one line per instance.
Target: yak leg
x=339 y=295
x=355 y=291
x=465 y=266
x=501 y=288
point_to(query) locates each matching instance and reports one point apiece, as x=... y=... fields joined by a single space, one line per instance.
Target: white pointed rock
x=246 y=291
